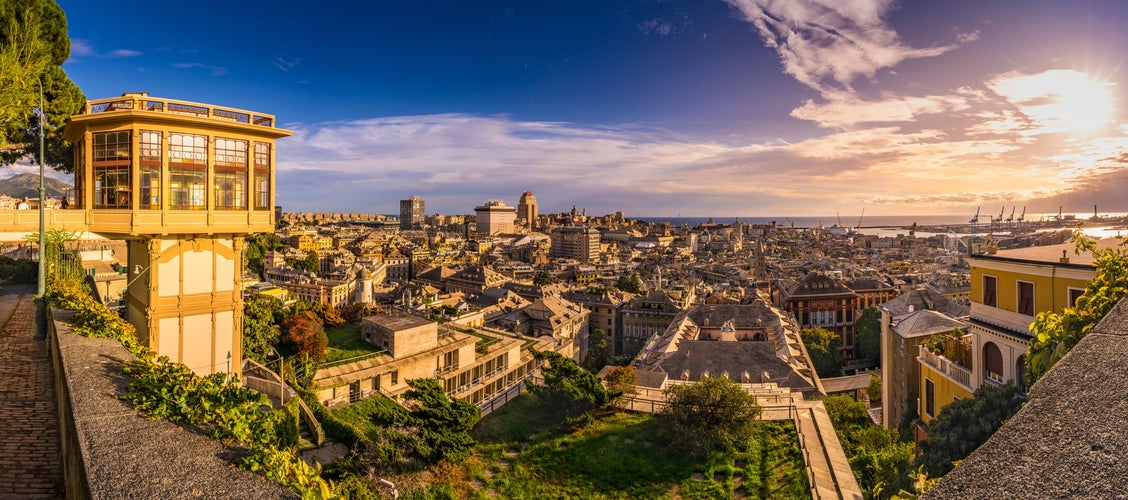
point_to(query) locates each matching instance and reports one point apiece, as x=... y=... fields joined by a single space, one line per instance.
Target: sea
x=892 y=225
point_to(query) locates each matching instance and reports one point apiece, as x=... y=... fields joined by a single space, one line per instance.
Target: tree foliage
x=444 y=423
x=598 y=352
x=311 y=262
x=304 y=334
x=825 y=349
x=622 y=380
x=880 y=460
x=868 y=328
x=356 y=312
x=542 y=278
x=963 y=425
x=257 y=247
x=1056 y=333
x=33 y=45
x=712 y=414
x=330 y=316
x=261 y=315
x=873 y=390
x=568 y=389
x=629 y=282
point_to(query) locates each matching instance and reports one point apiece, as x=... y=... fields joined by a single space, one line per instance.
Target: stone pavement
x=30 y=456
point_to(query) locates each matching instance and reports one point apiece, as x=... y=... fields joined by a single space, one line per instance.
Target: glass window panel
x=187 y=188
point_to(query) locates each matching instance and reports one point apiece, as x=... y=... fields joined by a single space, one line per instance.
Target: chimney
x=1064 y=258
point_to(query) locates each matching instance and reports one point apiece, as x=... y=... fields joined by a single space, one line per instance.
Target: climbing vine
x=1057 y=333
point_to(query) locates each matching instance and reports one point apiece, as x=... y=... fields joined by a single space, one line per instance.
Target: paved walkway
x=30 y=460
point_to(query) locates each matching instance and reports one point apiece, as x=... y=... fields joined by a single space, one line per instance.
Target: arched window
x=993 y=362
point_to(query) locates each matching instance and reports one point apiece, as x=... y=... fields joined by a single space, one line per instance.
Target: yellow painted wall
x=1051 y=283
x=946 y=391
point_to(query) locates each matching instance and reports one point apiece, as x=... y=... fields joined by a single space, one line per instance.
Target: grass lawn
x=346 y=342
x=521 y=454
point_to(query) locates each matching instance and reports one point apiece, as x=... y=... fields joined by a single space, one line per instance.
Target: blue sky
x=738 y=107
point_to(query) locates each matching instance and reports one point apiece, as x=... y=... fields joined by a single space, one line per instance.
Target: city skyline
x=739 y=108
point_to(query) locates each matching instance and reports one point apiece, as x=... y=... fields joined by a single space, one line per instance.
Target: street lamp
x=41 y=305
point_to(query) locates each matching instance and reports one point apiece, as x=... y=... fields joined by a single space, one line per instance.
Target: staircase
x=260 y=378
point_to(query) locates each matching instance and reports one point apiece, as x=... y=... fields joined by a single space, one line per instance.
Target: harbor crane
x=974 y=221
x=1022 y=217
x=860 y=218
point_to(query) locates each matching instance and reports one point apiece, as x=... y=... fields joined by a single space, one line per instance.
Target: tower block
x=183 y=183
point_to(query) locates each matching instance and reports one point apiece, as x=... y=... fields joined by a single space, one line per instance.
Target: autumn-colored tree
x=305 y=335
x=330 y=316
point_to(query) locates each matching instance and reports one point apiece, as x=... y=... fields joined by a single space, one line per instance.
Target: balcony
x=954 y=371
x=1002 y=318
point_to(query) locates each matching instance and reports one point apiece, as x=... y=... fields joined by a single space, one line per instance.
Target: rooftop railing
x=169 y=106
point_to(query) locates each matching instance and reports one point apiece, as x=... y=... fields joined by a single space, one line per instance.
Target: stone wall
x=112 y=451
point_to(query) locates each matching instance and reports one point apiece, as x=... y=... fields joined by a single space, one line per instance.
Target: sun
x=1060 y=100
x=1083 y=105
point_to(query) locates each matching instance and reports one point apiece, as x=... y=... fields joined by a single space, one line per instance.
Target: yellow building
x=1008 y=289
x=944 y=378
x=183 y=183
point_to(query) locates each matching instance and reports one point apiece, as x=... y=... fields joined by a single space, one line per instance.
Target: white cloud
x=461 y=160
x=214 y=70
x=116 y=53
x=83 y=48
x=968 y=37
x=827 y=44
x=656 y=27
x=285 y=64
x=1056 y=100
x=844 y=109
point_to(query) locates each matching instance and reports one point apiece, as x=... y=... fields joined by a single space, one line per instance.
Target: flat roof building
x=495 y=217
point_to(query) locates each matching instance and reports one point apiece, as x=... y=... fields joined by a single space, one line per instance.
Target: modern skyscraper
x=495 y=217
x=527 y=210
x=411 y=213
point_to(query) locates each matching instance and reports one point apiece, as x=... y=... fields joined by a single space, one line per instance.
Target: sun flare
x=1061 y=100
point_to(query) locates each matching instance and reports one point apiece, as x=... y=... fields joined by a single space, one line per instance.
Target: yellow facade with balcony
x=942 y=381
x=1008 y=289
x=183 y=183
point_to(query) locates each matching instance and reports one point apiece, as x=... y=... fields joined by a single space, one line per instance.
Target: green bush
x=19 y=271
x=335 y=428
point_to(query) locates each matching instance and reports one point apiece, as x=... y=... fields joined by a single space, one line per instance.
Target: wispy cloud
x=968 y=37
x=81 y=48
x=456 y=161
x=826 y=44
x=1056 y=101
x=844 y=110
x=285 y=64
x=116 y=53
x=656 y=27
x=214 y=70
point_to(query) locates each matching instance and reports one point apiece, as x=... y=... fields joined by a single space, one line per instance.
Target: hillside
x=27 y=185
